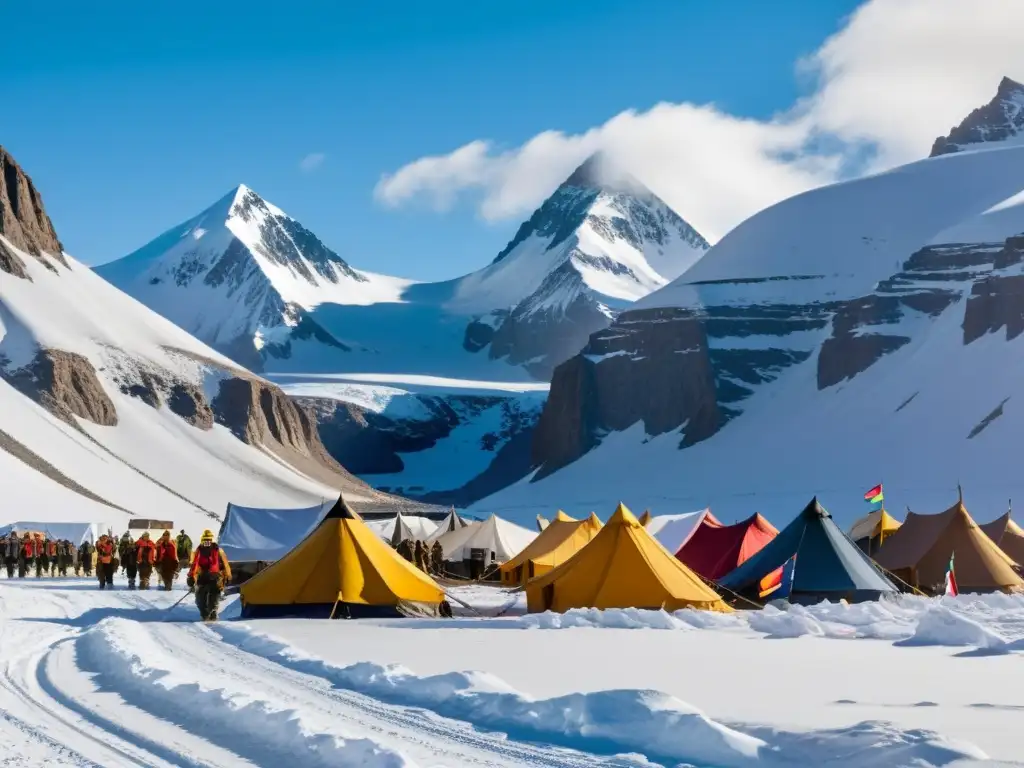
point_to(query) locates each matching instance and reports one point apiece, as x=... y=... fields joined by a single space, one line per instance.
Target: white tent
x=410 y=527
x=675 y=530
x=451 y=523
x=251 y=533
x=76 y=533
x=500 y=539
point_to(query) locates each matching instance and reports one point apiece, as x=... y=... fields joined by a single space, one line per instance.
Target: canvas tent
x=713 y=550
x=673 y=531
x=1008 y=536
x=871 y=531
x=561 y=539
x=645 y=518
x=479 y=546
x=252 y=534
x=76 y=533
x=342 y=569
x=542 y=523
x=827 y=565
x=397 y=529
x=451 y=523
x=920 y=551
x=623 y=566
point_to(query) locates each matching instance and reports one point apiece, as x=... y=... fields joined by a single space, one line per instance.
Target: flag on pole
x=874 y=496
x=782 y=583
x=951 y=588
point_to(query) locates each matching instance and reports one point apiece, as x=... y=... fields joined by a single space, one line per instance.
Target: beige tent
x=920 y=551
x=1008 y=536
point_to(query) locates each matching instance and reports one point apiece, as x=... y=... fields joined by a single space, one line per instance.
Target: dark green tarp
x=828 y=565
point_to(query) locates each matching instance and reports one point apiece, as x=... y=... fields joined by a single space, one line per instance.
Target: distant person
x=11 y=550
x=26 y=556
x=145 y=556
x=184 y=547
x=166 y=561
x=420 y=553
x=42 y=558
x=65 y=557
x=123 y=546
x=130 y=565
x=209 y=573
x=85 y=555
x=105 y=561
x=437 y=558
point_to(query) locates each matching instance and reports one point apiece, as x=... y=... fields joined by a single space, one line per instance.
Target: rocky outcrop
x=1000 y=119
x=651 y=366
x=997 y=301
x=11 y=263
x=23 y=219
x=66 y=384
x=189 y=402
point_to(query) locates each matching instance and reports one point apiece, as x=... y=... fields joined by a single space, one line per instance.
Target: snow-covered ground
x=117 y=679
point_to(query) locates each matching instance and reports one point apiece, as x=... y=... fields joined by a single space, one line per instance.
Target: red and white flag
x=951 y=588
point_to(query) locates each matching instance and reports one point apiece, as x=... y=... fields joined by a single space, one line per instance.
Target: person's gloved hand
x=191 y=582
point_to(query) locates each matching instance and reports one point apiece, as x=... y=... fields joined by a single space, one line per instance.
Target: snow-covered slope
x=863 y=332
x=242 y=276
x=109 y=410
x=254 y=283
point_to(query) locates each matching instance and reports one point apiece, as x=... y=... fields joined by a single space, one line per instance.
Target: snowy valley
x=452 y=359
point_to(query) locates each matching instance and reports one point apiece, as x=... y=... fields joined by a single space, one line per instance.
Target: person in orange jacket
x=145 y=551
x=105 y=561
x=167 y=560
x=209 y=573
x=27 y=556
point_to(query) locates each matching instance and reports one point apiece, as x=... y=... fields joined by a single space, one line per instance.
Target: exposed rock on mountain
x=998 y=121
x=23 y=220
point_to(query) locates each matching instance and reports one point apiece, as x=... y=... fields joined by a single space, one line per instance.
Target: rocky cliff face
x=23 y=219
x=999 y=120
x=685 y=370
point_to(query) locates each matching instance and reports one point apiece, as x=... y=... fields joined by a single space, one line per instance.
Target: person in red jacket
x=167 y=560
x=105 y=561
x=209 y=573
x=145 y=551
x=27 y=556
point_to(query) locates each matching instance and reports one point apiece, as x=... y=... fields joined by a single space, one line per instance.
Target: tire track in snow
x=420 y=729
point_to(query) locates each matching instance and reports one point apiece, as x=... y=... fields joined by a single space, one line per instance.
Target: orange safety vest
x=29 y=548
x=145 y=551
x=165 y=550
x=51 y=549
x=207 y=559
x=104 y=551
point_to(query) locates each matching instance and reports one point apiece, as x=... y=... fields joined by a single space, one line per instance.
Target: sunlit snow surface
x=119 y=679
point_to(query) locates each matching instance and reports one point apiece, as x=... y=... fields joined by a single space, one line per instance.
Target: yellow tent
x=871 y=531
x=622 y=567
x=561 y=539
x=341 y=569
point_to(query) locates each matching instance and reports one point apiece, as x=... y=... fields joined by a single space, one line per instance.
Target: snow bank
x=659 y=725
x=123 y=657
x=941 y=626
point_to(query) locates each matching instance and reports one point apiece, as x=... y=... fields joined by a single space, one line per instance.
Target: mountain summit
x=242 y=276
x=1000 y=120
x=600 y=242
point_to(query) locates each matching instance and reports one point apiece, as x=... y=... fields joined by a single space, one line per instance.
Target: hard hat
x=207 y=535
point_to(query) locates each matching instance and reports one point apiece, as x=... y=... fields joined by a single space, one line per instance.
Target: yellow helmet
x=207 y=535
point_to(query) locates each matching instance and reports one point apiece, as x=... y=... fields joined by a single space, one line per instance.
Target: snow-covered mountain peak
x=1001 y=120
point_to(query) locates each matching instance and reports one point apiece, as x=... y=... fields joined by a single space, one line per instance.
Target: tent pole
x=334 y=608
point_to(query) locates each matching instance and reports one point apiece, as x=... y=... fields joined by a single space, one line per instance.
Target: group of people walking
x=429 y=559
x=141 y=558
x=208 y=570
x=44 y=556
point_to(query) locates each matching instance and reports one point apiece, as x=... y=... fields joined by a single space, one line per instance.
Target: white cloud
x=898 y=74
x=312 y=161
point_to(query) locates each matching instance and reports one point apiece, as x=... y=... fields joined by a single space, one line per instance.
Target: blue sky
x=135 y=117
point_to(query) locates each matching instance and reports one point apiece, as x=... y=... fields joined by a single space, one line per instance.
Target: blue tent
x=826 y=564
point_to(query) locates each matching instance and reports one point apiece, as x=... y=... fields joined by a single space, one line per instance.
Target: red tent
x=713 y=551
